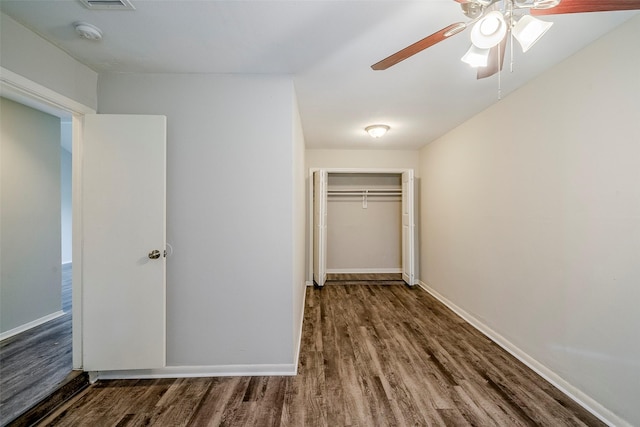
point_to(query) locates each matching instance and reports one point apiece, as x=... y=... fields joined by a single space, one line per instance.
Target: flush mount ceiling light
x=88 y=31
x=376 y=131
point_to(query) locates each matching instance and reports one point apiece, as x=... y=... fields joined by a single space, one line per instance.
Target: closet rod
x=362 y=193
x=367 y=191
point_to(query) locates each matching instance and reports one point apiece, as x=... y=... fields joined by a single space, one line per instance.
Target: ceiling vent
x=108 y=4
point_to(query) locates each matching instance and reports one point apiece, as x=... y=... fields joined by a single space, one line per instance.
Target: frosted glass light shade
x=476 y=57
x=528 y=30
x=489 y=31
x=376 y=131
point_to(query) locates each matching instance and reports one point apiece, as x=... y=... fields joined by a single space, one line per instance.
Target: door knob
x=154 y=254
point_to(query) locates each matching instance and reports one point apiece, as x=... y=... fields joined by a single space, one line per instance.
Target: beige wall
x=364 y=239
x=30 y=280
x=369 y=159
x=531 y=220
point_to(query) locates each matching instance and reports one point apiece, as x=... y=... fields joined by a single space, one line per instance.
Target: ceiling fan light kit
x=528 y=30
x=377 y=131
x=492 y=22
x=489 y=31
x=476 y=57
x=494 y=27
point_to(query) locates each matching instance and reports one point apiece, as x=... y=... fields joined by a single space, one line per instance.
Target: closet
x=363 y=222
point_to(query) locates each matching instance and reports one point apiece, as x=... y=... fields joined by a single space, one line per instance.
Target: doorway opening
x=363 y=225
x=36 y=285
x=28 y=93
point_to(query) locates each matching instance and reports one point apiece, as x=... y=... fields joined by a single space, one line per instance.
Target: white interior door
x=320 y=179
x=408 y=226
x=123 y=222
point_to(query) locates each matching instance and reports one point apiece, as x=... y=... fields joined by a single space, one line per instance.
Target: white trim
x=309 y=242
x=364 y=270
x=296 y=358
x=362 y=170
x=288 y=369
x=17 y=85
x=29 y=325
x=77 y=249
x=588 y=403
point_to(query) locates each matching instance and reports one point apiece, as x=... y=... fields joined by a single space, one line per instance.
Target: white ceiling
x=326 y=45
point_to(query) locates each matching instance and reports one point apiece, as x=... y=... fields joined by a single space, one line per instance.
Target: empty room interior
x=200 y=224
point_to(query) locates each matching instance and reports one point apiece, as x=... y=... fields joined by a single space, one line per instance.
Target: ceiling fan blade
x=419 y=46
x=494 y=64
x=580 y=6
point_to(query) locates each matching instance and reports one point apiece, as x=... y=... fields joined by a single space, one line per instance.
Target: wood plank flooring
x=33 y=363
x=372 y=355
x=358 y=278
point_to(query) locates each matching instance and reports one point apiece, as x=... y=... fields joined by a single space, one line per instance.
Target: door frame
x=30 y=93
x=310 y=230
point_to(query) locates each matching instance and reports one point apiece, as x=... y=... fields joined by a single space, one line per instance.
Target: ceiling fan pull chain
x=510 y=34
x=511 y=49
x=499 y=73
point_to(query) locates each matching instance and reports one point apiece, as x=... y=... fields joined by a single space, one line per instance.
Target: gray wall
x=364 y=239
x=65 y=192
x=30 y=281
x=531 y=219
x=232 y=141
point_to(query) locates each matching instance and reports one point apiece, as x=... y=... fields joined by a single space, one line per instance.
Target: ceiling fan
x=493 y=21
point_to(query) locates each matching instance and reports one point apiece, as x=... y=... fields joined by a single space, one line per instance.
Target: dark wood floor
x=372 y=355
x=33 y=363
x=369 y=278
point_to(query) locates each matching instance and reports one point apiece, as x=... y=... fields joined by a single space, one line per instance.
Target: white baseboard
x=571 y=391
x=287 y=369
x=363 y=270
x=309 y=283
x=32 y=324
x=65 y=264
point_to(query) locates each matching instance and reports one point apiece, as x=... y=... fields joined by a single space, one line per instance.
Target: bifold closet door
x=320 y=179
x=408 y=226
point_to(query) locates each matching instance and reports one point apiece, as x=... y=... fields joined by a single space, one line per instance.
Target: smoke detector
x=88 y=31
